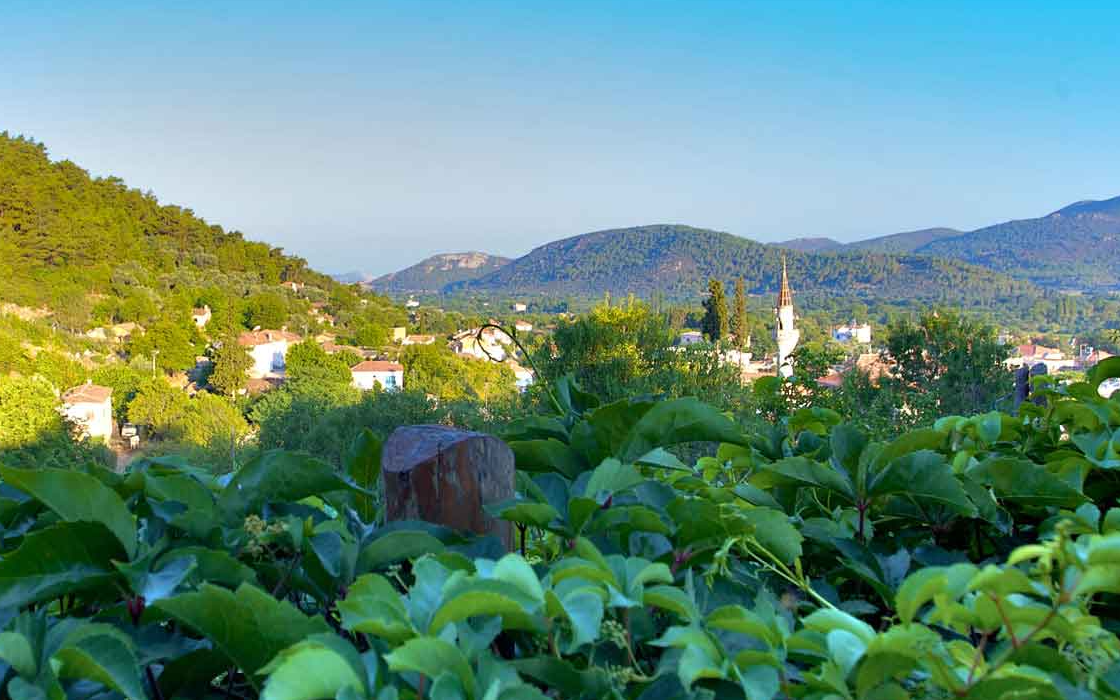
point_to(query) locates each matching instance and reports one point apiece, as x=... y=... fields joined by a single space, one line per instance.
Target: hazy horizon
x=367 y=138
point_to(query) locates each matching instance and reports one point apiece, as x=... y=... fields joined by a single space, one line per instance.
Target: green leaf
x=925 y=475
x=526 y=513
x=612 y=477
x=59 y=559
x=397 y=546
x=16 y=650
x=774 y=531
x=75 y=496
x=923 y=585
x=431 y=657
x=278 y=476
x=158 y=582
x=363 y=464
x=659 y=457
x=249 y=626
x=547 y=455
x=373 y=606
x=801 y=471
x=320 y=666
x=1108 y=368
x=828 y=619
x=675 y=421
x=560 y=674
x=1025 y=482
x=104 y=654
x=212 y=566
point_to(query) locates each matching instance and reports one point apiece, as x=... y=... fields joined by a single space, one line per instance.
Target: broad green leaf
x=925 y=475
x=801 y=471
x=397 y=546
x=320 y=666
x=101 y=653
x=75 y=496
x=363 y=464
x=828 y=619
x=1025 y=482
x=659 y=457
x=774 y=531
x=432 y=657
x=547 y=455
x=736 y=618
x=1108 y=368
x=675 y=421
x=156 y=582
x=249 y=626
x=212 y=566
x=526 y=513
x=373 y=606
x=278 y=476
x=560 y=674
x=612 y=477
x=59 y=559
x=16 y=651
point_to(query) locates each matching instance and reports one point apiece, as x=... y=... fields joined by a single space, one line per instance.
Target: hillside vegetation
x=677 y=261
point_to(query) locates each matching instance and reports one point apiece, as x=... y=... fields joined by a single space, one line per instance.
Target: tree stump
x=445 y=476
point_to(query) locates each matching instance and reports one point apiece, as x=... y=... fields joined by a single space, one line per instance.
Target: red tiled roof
x=377 y=366
x=251 y=338
x=87 y=393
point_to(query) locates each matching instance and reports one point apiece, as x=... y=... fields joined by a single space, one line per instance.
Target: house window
x=391 y=381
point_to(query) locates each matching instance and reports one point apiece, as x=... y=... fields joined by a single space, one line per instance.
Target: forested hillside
x=1075 y=247
x=677 y=261
x=905 y=242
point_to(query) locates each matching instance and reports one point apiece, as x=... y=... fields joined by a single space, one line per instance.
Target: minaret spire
x=785 y=332
x=785 y=296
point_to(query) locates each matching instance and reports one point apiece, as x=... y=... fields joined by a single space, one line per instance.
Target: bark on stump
x=445 y=476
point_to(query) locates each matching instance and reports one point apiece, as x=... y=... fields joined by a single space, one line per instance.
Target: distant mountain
x=811 y=245
x=677 y=261
x=1077 y=247
x=906 y=242
x=437 y=272
x=355 y=277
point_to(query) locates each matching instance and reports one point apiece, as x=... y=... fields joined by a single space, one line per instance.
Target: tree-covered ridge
x=63 y=234
x=905 y=242
x=1075 y=247
x=677 y=261
x=434 y=273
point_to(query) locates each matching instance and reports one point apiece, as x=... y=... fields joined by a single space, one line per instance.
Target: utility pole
x=155 y=353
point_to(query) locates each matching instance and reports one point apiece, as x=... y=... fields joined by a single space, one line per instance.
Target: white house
x=411 y=304
x=201 y=316
x=390 y=375
x=859 y=333
x=523 y=375
x=520 y=307
x=268 y=350
x=690 y=338
x=90 y=408
x=523 y=326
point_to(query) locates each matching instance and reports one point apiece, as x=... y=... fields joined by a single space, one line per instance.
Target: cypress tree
x=739 y=318
x=714 y=323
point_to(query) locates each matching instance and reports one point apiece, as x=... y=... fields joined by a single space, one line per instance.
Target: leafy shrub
x=973 y=559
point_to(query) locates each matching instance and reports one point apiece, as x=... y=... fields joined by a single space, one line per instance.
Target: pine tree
x=231 y=366
x=739 y=325
x=714 y=323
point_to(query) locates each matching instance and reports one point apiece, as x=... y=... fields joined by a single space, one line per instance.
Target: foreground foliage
x=973 y=559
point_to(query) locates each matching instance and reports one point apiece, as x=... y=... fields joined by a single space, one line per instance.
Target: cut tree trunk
x=445 y=476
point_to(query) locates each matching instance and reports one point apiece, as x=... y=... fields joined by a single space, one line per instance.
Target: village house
x=488 y=348
x=389 y=375
x=520 y=307
x=523 y=326
x=398 y=334
x=418 y=340
x=523 y=375
x=853 y=332
x=268 y=349
x=690 y=338
x=90 y=408
x=1030 y=355
x=201 y=316
x=1089 y=357
x=411 y=304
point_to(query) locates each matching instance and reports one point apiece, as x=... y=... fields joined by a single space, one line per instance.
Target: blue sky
x=368 y=135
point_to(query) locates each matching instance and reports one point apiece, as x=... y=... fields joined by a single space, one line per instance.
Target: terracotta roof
x=251 y=338
x=833 y=380
x=87 y=393
x=261 y=385
x=377 y=366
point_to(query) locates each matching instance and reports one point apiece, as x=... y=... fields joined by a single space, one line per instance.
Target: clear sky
x=366 y=135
